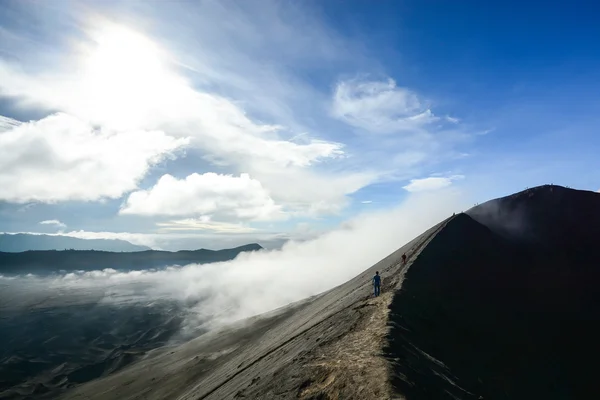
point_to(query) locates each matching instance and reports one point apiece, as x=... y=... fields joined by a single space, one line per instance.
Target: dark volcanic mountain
x=19 y=242
x=500 y=302
x=44 y=262
x=504 y=303
x=549 y=216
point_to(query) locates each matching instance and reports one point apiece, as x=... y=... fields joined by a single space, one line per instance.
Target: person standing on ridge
x=403 y=258
x=376 y=284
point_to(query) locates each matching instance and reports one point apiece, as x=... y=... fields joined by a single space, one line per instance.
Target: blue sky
x=189 y=124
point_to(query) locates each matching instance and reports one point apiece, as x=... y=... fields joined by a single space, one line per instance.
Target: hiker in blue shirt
x=377 y=283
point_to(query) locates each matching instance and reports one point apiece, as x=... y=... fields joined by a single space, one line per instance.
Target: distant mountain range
x=49 y=261
x=18 y=242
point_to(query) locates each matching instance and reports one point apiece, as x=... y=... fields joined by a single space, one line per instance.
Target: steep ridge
x=550 y=218
x=328 y=346
x=504 y=311
x=502 y=304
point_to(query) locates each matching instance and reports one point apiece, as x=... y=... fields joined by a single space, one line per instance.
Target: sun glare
x=123 y=78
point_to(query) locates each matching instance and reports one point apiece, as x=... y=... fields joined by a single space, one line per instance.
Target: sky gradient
x=218 y=123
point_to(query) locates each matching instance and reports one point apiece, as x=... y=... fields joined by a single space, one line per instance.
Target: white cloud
x=431 y=183
x=379 y=106
x=7 y=124
x=64 y=158
x=366 y=201
x=229 y=290
x=109 y=92
x=231 y=92
x=199 y=224
x=241 y=198
x=143 y=239
x=205 y=224
x=410 y=136
x=260 y=43
x=160 y=100
x=306 y=193
x=186 y=240
x=231 y=138
x=54 y=222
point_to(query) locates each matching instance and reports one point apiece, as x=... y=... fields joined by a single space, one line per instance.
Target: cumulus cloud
x=379 y=106
x=200 y=91
x=218 y=126
x=54 y=222
x=109 y=92
x=65 y=158
x=431 y=183
x=205 y=194
x=205 y=224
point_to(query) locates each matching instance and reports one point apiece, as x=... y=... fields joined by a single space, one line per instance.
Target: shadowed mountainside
x=43 y=262
x=500 y=302
x=504 y=311
x=550 y=217
x=18 y=242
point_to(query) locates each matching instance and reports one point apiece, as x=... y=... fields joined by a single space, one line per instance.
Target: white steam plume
x=257 y=282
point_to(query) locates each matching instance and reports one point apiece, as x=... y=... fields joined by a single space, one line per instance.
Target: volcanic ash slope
x=501 y=302
x=328 y=346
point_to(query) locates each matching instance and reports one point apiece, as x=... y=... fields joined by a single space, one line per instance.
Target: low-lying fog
x=147 y=308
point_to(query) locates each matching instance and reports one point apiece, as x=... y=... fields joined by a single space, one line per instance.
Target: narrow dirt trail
x=353 y=366
x=326 y=347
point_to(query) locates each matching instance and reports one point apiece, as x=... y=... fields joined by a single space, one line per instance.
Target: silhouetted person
x=403 y=258
x=377 y=284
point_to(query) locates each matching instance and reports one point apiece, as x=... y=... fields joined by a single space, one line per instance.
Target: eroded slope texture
x=504 y=303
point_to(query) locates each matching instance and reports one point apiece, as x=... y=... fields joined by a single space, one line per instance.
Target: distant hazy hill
x=23 y=242
x=42 y=262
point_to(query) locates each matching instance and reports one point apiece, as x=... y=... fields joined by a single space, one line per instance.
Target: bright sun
x=124 y=76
